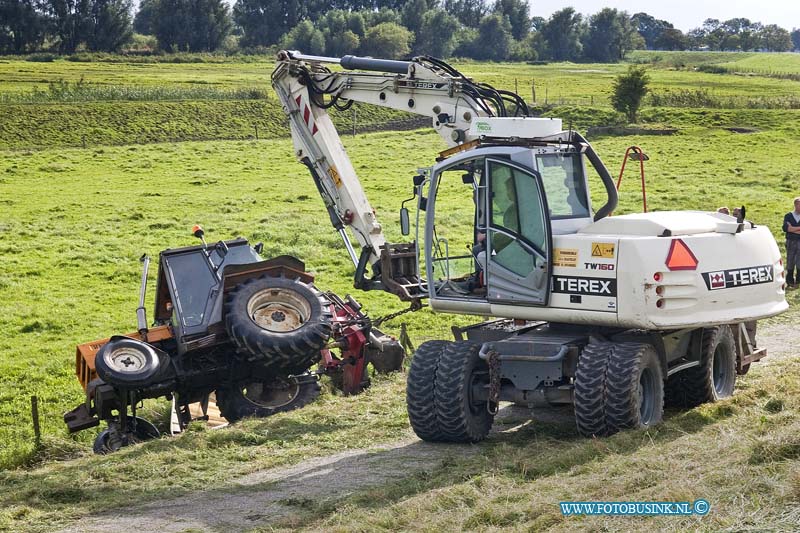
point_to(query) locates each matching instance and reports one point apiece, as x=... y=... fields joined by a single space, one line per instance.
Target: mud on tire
x=282 y=323
x=713 y=379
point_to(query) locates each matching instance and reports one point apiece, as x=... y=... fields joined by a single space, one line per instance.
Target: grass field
x=74 y=221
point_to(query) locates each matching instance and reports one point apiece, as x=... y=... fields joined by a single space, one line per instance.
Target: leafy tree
x=110 y=25
x=465 y=41
x=672 y=39
x=306 y=38
x=468 y=12
x=191 y=25
x=22 y=26
x=775 y=39
x=438 y=34
x=143 y=21
x=628 y=91
x=494 y=36
x=518 y=13
x=526 y=49
x=373 y=18
x=650 y=28
x=71 y=23
x=796 y=39
x=411 y=16
x=739 y=34
x=537 y=23
x=342 y=30
x=264 y=22
x=562 y=35
x=387 y=40
x=609 y=36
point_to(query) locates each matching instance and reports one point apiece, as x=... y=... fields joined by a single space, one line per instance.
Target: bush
x=387 y=40
x=629 y=90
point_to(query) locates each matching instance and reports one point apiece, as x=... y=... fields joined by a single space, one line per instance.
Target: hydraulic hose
x=602 y=171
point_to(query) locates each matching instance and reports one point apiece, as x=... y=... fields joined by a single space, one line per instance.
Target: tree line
x=479 y=29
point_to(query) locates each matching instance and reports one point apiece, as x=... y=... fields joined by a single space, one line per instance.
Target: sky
x=686 y=14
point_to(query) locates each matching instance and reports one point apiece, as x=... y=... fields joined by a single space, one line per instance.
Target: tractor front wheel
x=112 y=439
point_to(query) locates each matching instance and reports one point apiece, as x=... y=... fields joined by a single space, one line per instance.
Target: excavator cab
x=500 y=250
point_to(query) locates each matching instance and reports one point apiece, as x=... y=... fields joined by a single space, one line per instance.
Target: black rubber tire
x=420 y=391
x=706 y=382
x=234 y=405
x=144 y=431
x=460 y=418
x=280 y=352
x=590 y=389
x=120 y=353
x=634 y=387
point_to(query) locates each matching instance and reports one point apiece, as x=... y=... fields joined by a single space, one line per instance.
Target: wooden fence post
x=37 y=432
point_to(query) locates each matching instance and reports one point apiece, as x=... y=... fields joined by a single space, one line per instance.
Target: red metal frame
x=349 y=335
x=640 y=155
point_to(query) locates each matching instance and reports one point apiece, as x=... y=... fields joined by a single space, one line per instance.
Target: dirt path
x=264 y=498
x=260 y=498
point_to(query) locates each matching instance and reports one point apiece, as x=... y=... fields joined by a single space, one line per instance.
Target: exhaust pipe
x=141 y=313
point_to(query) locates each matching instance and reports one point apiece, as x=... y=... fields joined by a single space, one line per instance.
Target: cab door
x=518 y=234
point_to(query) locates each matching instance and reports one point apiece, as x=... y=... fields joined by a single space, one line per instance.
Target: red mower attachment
x=360 y=344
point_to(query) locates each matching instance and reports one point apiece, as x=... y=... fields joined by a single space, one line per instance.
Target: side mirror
x=405 y=225
x=419 y=179
x=259 y=248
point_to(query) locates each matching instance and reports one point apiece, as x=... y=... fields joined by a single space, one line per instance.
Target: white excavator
x=613 y=314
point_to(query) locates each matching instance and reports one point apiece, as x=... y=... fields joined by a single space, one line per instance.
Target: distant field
x=189 y=102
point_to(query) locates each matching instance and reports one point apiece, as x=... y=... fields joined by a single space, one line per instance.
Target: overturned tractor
x=231 y=324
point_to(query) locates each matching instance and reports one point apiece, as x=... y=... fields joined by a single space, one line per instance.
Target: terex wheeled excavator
x=614 y=314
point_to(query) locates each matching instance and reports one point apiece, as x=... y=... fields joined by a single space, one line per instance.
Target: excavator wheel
x=420 y=391
x=712 y=380
x=281 y=323
x=590 y=389
x=462 y=418
x=634 y=387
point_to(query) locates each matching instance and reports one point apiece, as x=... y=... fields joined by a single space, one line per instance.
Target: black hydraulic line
x=380 y=65
x=602 y=171
x=335 y=220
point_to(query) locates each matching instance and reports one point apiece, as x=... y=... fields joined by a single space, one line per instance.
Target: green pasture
x=74 y=221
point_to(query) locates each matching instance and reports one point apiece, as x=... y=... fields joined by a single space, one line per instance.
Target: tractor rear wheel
x=714 y=378
x=420 y=391
x=462 y=418
x=282 y=323
x=262 y=398
x=634 y=387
